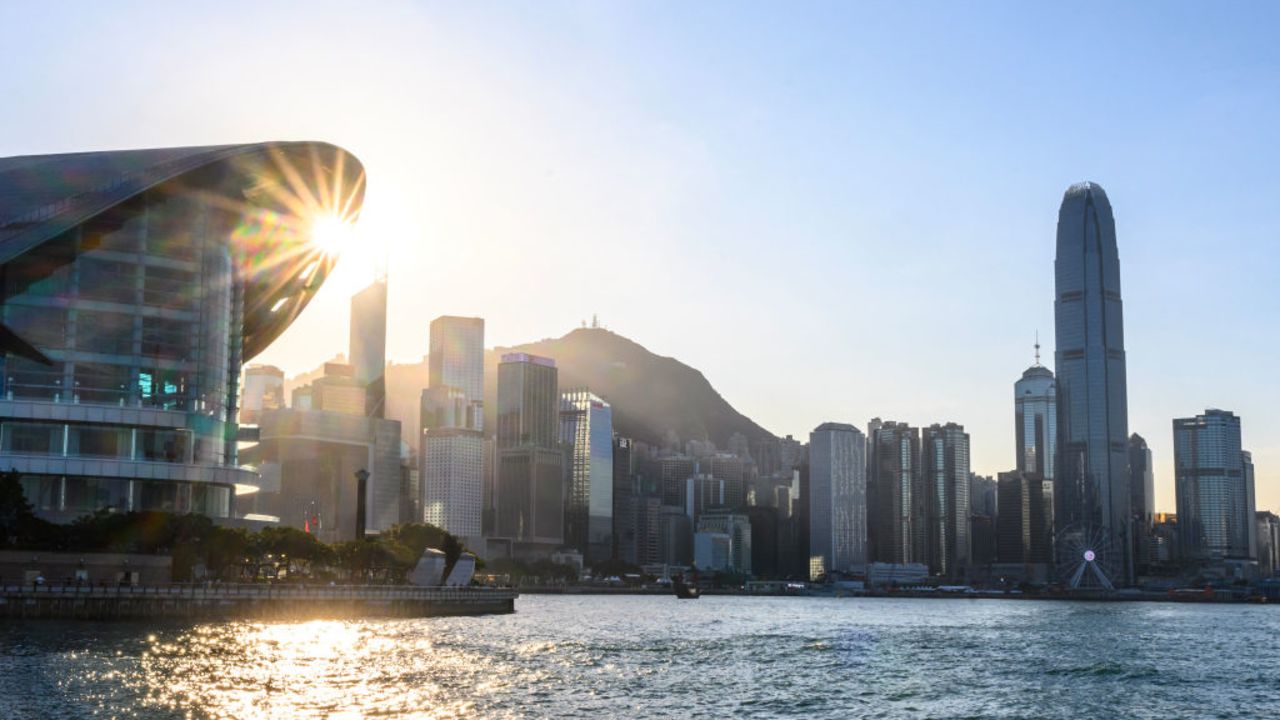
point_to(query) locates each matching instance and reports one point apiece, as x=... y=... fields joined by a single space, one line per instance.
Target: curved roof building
x=134 y=285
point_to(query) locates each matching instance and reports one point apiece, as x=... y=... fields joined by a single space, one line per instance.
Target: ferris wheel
x=1086 y=557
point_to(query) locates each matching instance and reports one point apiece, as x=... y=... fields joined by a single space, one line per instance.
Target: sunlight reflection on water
x=658 y=657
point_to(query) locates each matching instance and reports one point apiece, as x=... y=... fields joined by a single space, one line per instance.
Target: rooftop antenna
x=1037 y=348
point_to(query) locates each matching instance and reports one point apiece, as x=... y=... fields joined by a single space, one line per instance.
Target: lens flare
x=331 y=234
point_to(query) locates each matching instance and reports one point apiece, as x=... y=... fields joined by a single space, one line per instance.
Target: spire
x=1037 y=348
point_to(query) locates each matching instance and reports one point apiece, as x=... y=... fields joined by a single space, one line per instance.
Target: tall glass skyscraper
x=1213 y=483
x=529 y=497
x=586 y=427
x=1092 y=483
x=368 y=345
x=837 y=497
x=1035 y=409
x=456 y=360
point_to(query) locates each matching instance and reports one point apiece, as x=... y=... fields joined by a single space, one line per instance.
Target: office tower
x=263 y=390
x=336 y=390
x=736 y=529
x=702 y=493
x=309 y=458
x=456 y=360
x=452 y=463
x=451 y=474
x=1211 y=482
x=766 y=541
x=944 y=471
x=898 y=506
x=1268 y=541
x=673 y=471
x=529 y=496
x=368 y=344
x=528 y=402
x=1035 y=408
x=586 y=429
x=675 y=534
x=625 y=499
x=736 y=472
x=1250 y=498
x=1024 y=527
x=838 y=497
x=136 y=284
x=982 y=495
x=1092 y=470
x=1142 y=499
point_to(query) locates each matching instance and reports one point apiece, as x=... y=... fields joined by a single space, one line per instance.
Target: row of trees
x=204 y=550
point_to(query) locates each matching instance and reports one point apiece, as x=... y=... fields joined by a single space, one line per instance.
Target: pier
x=249 y=601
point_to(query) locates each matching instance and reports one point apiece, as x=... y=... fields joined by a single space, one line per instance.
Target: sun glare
x=331 y=234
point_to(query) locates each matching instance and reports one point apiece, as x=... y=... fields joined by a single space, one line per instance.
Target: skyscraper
x=263 y=390
x=1035 y=408
x=368 y=344
x=1212 y=484
x=1092 y=469
x=529 y=497
x=1142 y=499
x=944 y=470
x=1024 y=526
x=837 y=497
x=451 y=459
x=897 y=515
x=456 y=360
x=586 y=427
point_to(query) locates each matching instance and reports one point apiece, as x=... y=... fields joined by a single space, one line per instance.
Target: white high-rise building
x=837 y=498
x=451 y=452
x=451 y=475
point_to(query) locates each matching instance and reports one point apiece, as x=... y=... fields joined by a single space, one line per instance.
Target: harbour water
x=650 y=656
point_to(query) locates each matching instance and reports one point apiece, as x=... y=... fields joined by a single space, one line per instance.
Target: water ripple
x=597 y=657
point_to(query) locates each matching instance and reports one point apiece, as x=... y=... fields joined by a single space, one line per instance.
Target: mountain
x=650 y=394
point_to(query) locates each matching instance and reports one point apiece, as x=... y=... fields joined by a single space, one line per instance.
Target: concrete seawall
x=245 y=602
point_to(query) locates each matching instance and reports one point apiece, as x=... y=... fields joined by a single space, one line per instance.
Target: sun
x=331 y=234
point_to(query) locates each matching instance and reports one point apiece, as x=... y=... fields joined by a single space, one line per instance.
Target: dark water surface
x=659 y=657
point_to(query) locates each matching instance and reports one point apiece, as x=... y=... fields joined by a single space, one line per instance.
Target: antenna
x=1037 y=348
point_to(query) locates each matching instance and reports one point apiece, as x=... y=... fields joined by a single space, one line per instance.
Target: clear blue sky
x=835 y=211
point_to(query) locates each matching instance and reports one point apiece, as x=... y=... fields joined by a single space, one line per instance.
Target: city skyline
x=1200 y=210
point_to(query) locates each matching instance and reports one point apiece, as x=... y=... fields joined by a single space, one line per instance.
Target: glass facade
x=142 y=277
x=1092 y=476
x=1213 y=488
x=1035 y=404
x=586 y=428
x=134 y=307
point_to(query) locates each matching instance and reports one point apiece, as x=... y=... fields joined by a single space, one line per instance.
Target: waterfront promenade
x=248 y=601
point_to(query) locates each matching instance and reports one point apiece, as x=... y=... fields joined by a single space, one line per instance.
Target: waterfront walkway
x=248 y=601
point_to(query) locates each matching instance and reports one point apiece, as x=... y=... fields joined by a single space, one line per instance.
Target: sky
x=834 y=211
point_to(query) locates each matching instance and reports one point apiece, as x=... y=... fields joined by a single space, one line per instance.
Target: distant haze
x=833 y=211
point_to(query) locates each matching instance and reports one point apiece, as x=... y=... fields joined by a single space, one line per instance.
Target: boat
x=684 y=591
